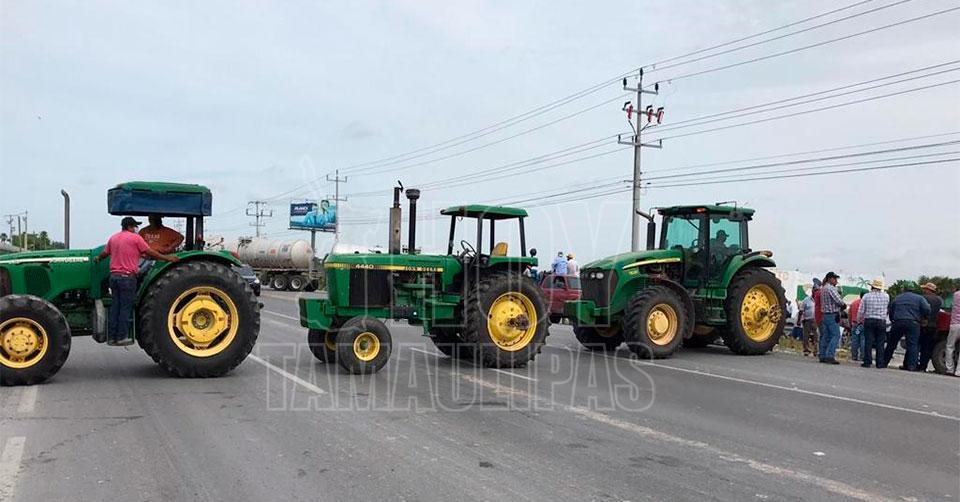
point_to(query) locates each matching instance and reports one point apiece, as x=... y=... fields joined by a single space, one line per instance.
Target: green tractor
x=195 y=318
x=702 y=282
x=473 y=305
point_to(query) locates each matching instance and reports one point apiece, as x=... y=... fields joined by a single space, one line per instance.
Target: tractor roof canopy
x=705 y=208
x=485 y=212
x=143 y=198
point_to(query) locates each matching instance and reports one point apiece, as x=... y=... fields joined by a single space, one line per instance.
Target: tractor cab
x=498 y=250
x=170 y=200
x=709 y=238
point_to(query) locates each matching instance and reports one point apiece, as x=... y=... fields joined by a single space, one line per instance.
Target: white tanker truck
x=282 y=265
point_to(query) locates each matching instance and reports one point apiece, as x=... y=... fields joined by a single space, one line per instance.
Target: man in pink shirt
x=124 y=249
x=953 y=334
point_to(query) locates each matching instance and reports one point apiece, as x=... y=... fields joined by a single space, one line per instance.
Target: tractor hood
x=48 y=255
x=636 y=259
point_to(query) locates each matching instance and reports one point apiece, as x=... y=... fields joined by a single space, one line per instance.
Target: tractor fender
x=685 y=297
x=159 y=268
x=755 y=259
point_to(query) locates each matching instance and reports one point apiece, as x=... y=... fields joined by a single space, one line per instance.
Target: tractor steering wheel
x=468 y=250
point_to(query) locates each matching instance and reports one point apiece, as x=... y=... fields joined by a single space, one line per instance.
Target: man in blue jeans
x=831 y=304
x=906 y=312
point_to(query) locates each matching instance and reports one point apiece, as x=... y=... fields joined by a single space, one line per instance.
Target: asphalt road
x=705 y=425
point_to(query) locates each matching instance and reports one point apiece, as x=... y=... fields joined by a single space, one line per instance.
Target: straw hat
x=877 y=283
x=931 y=287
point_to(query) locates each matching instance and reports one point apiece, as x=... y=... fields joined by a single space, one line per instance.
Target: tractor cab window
x=685 y=233
x=726 y=241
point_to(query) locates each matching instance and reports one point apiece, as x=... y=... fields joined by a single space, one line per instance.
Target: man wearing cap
x=873 y=316
x=831 y=304
x=928 y=333
x=906 y=311
x=124 y=249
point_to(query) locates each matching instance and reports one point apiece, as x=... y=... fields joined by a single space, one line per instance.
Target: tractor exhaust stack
x=395 y=212
x=66 y=218
x=413 y=194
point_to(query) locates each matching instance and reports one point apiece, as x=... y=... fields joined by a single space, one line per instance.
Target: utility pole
x=337 y=200
x=25 y=237
x=638 y=145
x=259 y=211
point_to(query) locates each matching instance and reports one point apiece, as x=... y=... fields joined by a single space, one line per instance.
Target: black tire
x=35 y=312
x=603 y=339
x=939 y=356
x=297 y=282
x=156 y=339
x=323 y=344
x=354 y=337
x=556 y=319
x=735 y=335
x=476 y=333
x=279 y=282
x=448 y=341
x=654 y=304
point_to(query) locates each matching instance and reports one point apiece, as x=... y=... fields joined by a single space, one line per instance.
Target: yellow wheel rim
x=203 y=321
x=760 y=313
x=512 y=321
x=330 y=340
x=366 y=346
x=23 y=342
x=662 y=324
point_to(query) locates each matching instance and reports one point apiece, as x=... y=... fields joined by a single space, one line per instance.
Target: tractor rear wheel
x=323 y=344
x=654 y=322
x=34 y=340
x=279 y=282
x=754 y=307
x=605 y=339
x=363 y=345
x=199 y=319
x=506 y=320
x=449 y=342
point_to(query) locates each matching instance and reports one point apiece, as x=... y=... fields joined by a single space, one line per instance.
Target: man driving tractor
x=161 y=239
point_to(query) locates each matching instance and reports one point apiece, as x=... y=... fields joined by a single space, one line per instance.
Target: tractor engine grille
x=370 y=287
x=598 y=289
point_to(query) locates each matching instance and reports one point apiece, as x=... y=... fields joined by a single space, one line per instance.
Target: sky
x=262 y=100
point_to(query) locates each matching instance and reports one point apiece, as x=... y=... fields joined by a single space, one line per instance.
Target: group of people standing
x=565 y=266
x=877 y=324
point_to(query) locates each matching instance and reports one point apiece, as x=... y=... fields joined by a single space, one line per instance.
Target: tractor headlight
x=599 y=275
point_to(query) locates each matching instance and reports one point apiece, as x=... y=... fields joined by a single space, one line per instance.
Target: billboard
x=313 y=216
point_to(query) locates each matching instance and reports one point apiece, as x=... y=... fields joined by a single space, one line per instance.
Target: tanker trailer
x=282 y=265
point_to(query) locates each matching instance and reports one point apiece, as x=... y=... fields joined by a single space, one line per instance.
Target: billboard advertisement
x=313 y=216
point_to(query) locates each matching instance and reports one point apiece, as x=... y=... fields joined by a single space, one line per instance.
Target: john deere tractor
x=473 y=304
x=195 y=318
x=702 y=282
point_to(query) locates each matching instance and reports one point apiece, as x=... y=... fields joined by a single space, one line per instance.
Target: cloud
x=356 y=131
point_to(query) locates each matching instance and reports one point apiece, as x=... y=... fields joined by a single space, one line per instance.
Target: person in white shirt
x=573 y=268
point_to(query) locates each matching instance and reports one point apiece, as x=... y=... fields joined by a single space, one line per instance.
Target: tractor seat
x=499 y=250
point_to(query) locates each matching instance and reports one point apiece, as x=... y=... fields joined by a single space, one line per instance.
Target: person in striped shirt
x=873 y=316
x=831 y=304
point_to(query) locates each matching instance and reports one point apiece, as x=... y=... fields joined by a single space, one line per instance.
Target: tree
x=945 y=285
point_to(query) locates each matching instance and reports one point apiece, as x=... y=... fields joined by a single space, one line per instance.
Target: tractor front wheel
x=199 y=319
x=34 y=340
x=654 y=322
x=755 y=315
x=506 y=320
x=604 y=339
x=363 y=345
x=323 y=344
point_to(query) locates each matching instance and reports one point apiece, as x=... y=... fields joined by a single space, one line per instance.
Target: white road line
x=10 y=466
x=772 y=386
x=505 y=372
x=278 y=314
x=28 y=399
x=289 y=376
x=830 y=485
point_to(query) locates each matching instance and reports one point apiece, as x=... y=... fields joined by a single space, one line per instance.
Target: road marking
x=773 y=386
x=10 y=466
x=289 y=376
x=505 y=372
x=830 y=485
x=28 y=399
x=278 y=314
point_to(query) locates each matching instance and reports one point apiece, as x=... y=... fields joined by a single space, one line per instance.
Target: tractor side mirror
x=533 y=251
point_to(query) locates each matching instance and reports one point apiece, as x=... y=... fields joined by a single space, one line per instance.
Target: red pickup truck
x=559 y=289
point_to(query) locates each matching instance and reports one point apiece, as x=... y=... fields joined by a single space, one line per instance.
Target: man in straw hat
x=928 y=333
x=873 y=315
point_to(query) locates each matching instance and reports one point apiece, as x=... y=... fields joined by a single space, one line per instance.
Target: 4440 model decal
x=391 y=268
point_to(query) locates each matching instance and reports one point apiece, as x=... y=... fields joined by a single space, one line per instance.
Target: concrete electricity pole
x=336 y=198
x=260 y=211
x=638 y=145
